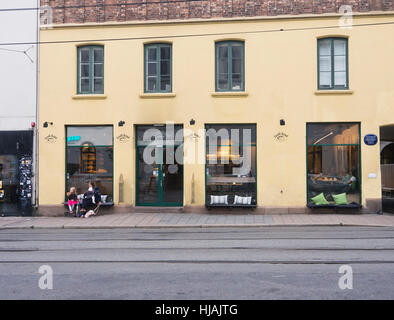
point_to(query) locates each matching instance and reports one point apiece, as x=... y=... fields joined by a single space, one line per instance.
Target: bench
x=230 y=206
x=387 y=191
x=103 y=204
x=335 y=206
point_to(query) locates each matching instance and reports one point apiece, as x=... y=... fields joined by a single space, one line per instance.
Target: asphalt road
x=201 y=263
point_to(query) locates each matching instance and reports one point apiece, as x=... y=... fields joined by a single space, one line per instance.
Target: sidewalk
x=178 y=220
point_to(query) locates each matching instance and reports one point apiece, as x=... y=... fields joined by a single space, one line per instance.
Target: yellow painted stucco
x=280 y=82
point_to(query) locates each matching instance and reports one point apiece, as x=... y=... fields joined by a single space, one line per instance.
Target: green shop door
x=159 y=184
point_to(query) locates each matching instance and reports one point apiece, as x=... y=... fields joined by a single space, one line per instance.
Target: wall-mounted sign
x=192 y=136
x=370 y=139
x=51 y=138
x=123 y=138
x=281 y=136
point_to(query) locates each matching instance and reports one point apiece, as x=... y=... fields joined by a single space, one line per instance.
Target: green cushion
x=319 y=199
x=340 y=198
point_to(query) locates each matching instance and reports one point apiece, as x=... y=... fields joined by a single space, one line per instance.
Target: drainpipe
x=36 y=158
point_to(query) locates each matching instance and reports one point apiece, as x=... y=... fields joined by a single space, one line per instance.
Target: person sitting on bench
x=72 y=200
x=93 y=194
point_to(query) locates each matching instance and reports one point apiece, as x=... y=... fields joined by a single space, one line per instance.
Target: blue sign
x=73 y=138
x=370 y=139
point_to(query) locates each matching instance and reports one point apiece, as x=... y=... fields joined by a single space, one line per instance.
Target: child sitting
x=72 y=200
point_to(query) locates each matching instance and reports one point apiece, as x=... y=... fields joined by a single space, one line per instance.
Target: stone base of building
x=372 y=206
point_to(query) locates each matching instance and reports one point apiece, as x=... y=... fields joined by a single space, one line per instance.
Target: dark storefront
x=16 y=187
x=159 y=166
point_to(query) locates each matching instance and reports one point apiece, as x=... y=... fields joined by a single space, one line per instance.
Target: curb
x=196 y=226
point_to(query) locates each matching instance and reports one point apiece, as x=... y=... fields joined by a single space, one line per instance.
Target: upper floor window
x=158 y=64
x=230 y=68
x=91 y=70
x=333 y=63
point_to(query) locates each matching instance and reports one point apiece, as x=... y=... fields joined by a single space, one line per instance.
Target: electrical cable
x=192 y=35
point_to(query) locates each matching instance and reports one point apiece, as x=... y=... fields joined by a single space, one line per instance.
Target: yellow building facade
x=280 y=98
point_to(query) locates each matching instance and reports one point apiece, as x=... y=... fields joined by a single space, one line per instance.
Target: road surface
x=198 y=263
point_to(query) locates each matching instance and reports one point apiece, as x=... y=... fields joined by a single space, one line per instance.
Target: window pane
x=333 y=133
x=152 y=68
x=237 y=66
x=160 y=134
x=237 y=132
x=325 y=63
x=84 y=55
x=325 y=79
x=152 y=54
x=340 y=79
x=147 y=178
x=97 y=135
x=340 y=63
x=334 y=170
x=85 y=85
x=152 y=83
x=236 y=51
x=231 y=169
x=98 y=55
x=90 y=163
x=84 y=70
x=325 y=47
x=98 y=70
x=165 y=53
x=165 y=83
x=340 y=47
x=98 y=85
x=223 y=66
x=236 y=82
x=165 y=68
x=223 y=81
x=223 y=52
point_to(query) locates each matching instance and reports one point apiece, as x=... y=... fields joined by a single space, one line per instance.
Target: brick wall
x=81 y=11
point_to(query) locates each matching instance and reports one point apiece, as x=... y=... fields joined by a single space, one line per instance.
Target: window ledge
x=230 y=94
x=345 y=91
x=147 y=95
x=89 y=96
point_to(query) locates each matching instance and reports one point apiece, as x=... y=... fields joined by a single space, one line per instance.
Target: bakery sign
x=123 y=138
x=281 y=136
x=51 y=138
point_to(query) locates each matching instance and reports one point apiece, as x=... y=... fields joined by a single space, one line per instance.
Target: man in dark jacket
x=90 y=197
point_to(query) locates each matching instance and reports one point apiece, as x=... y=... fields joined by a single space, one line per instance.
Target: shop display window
x=333 y=163
x=231 y=165
x=90 y=158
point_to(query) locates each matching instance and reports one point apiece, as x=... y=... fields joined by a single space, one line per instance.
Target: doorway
x=387 y=167
x=159 y=178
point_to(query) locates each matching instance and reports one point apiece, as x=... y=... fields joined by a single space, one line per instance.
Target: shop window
x=333 y=63
x=158 y=65
x=333 y=163
x=230 y=66
x=91 y=70
x=231 y=165
x=16 y=164
x=90 y=158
